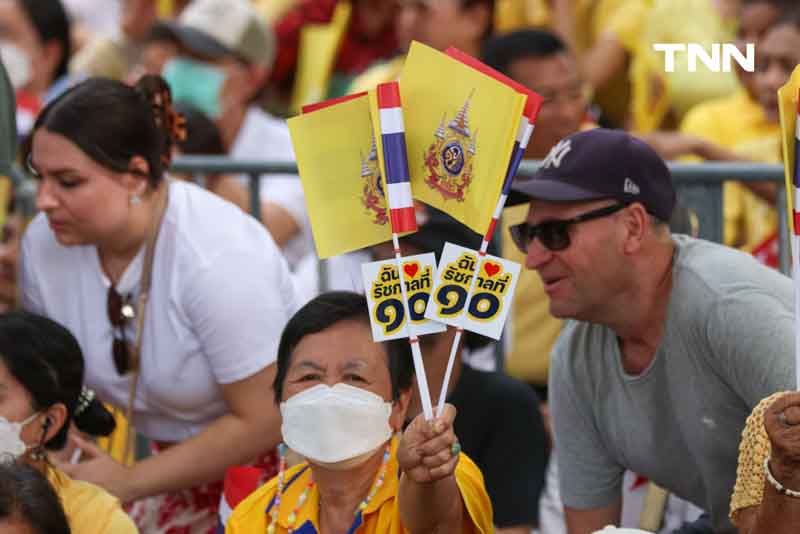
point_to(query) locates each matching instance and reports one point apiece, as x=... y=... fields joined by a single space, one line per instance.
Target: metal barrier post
x=784 y=250
x=255 y=195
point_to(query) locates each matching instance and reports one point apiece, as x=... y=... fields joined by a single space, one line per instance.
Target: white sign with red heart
x=491 y=295
x=382 y=285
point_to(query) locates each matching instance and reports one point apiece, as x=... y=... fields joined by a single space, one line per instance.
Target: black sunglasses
x=120 y=313
x=554 y=233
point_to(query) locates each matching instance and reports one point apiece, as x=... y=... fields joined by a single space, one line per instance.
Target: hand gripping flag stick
x=401 y=211
x=520 y=144
x=796 y=243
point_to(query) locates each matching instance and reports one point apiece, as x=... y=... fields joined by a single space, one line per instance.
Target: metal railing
x=699 y=186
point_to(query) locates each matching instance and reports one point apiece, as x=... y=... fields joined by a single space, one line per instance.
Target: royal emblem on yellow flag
x=373 y=196
x=460 y=127
x=449 y=157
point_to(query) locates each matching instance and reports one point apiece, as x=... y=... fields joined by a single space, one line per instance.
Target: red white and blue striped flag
x=795 y=196
x=393 y=139
x=796 y=175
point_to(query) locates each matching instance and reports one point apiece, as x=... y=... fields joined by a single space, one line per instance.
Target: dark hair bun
x=95 y=419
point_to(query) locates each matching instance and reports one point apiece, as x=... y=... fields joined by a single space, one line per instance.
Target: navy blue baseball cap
x=602 y=163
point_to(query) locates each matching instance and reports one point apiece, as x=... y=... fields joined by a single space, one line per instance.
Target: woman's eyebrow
x=354 y=364
x=309 y=363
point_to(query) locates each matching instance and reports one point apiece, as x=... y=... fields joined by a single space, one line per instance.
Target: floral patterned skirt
x=190 y=511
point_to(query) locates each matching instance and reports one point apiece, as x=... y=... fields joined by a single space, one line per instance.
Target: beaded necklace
x=301 y=500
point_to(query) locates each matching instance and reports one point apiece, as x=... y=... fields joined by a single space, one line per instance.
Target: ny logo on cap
x=557 y=153
x=630 y=187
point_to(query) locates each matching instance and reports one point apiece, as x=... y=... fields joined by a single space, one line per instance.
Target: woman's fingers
x=443 y=471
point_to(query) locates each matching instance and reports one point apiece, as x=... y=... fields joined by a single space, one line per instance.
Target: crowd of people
x=154 y=336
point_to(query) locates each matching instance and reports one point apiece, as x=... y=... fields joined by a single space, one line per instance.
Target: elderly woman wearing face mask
x=343 y=399
x=41 y=395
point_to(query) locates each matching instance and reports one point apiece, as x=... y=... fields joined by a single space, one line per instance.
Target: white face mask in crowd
x=337 y=427
x=11 y=444
x=17 y=64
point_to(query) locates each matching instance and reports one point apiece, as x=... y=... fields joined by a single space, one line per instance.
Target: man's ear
x=636 y=222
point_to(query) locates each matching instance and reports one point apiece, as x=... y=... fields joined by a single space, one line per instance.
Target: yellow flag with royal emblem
x=460 y=127
x=337 y=160
x=788 y=106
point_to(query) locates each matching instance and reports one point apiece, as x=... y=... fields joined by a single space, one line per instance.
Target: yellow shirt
x=90 y=509
x=382 y=515
x=594 y=20
x=656 y=93
x=738 y=123
x=380 y=72
x=533 y=329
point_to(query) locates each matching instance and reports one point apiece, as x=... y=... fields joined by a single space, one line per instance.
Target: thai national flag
x=796 y=240
x=796 y=175
x=393 y=139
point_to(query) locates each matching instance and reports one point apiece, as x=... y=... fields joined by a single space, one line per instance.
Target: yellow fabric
x=383 y=72
x=319 y=45
x=90 y=509
x=273 y=10
x=103 y=56
x=738 y=123
x=657 y=93
x=115 y=443
x=593 y=19
x=457 y=166
x=510 y=15
x=753 y=449
x=787 y=103
x=533 y=329
x=382 y=515
x=622 y=19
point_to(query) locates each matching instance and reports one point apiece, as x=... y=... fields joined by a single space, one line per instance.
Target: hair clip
x=84 y=400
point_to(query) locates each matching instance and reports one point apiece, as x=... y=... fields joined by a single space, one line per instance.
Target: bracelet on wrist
x=777 y=485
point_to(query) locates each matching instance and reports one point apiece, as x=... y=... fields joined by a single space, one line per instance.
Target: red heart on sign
x=411 y=269
x=491 y=268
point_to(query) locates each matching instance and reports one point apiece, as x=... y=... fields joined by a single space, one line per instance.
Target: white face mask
x=17 y=64
x=11 y=444
x=337 y=427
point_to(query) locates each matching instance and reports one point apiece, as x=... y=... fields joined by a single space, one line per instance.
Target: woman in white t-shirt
x=219 y=296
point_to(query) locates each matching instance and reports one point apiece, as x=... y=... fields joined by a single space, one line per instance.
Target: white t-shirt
x=99 y=16
x=220 y=297
x=263 y=137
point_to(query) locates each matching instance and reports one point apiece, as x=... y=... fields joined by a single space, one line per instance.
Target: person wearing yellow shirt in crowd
x=41 y=380
x=660 y=99
x=603 y=35
x=464 y=24
x=342 y=397
x=539 y=60
x=746 y=122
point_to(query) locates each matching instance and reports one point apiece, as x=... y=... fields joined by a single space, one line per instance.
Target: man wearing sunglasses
x=671 y=340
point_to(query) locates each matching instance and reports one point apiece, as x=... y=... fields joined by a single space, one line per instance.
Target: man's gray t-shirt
x=728 y=342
